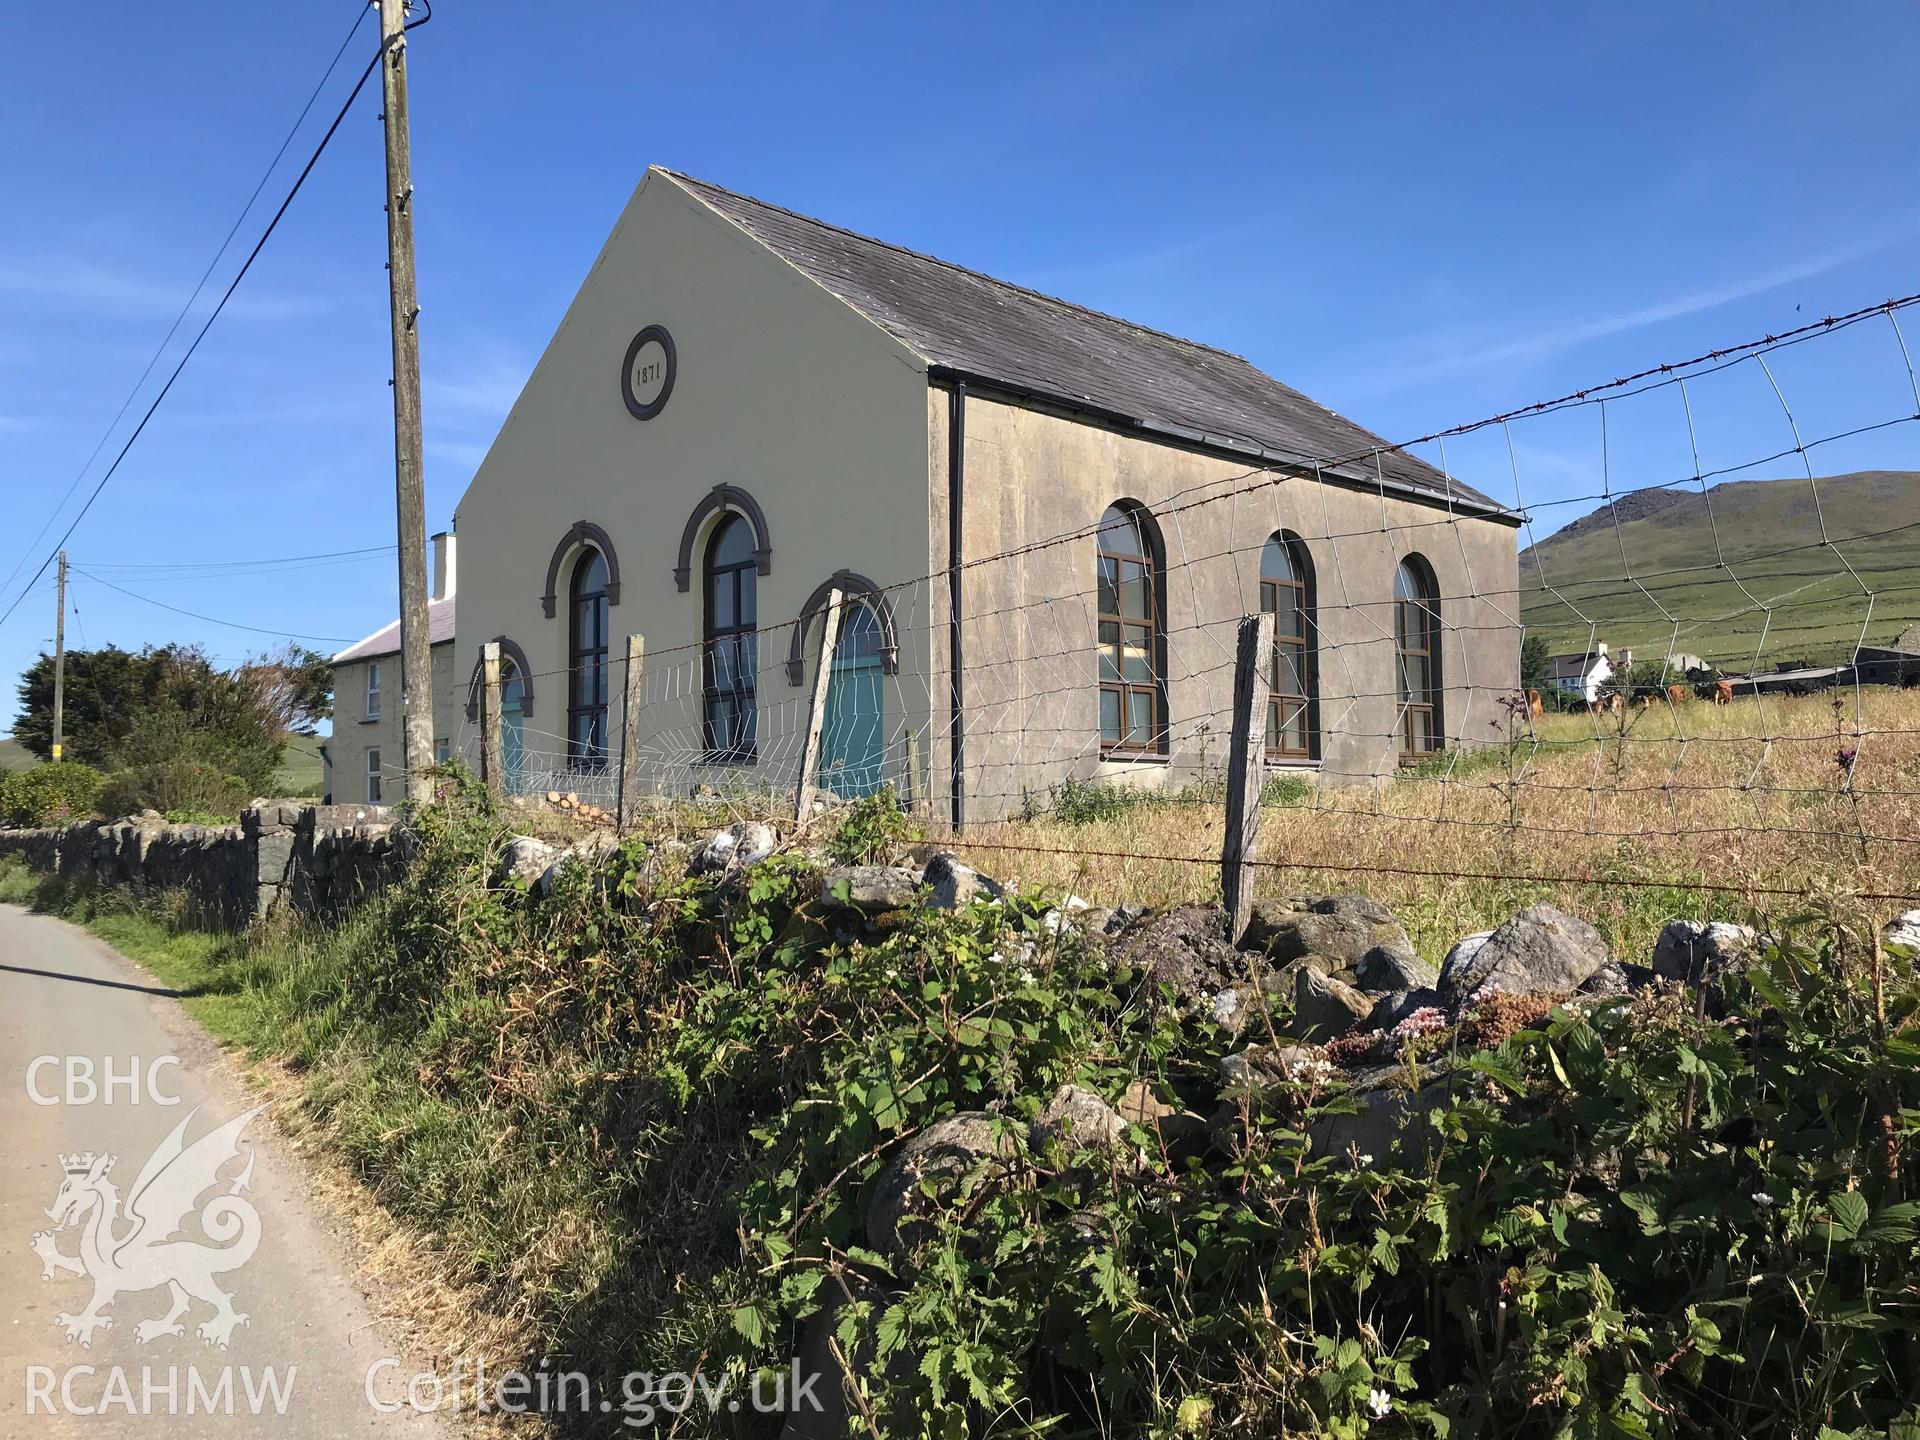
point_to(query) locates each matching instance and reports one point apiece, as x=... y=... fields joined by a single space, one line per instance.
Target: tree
x=293 y=687
x=105 y=689
x=1536 y=659
x=167 y=722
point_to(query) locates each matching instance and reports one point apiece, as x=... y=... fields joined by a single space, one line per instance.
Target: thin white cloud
x=461 y=453
x=488 y=389
x=1555 y=337
x=80 y=285
x=1142 y=264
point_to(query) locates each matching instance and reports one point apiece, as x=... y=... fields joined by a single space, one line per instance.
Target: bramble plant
x=648 y=1113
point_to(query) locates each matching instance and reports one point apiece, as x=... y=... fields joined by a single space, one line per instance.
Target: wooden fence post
x=817 y=710
x=490 y=759
x=1246 y=770
x=910 y=774
x=631 y=697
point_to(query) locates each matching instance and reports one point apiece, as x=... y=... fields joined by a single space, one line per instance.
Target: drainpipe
x=956 y=664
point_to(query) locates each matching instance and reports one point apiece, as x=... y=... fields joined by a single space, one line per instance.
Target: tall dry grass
x=1691 y=810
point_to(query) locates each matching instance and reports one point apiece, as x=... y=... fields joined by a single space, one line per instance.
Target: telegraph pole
x=416 y=653
x=60 y=659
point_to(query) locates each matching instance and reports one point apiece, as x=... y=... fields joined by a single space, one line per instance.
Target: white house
x=1583 y=673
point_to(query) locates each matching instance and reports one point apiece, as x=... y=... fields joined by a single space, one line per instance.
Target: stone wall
x=284 y=856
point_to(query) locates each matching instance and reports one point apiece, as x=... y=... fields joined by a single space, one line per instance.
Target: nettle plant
x=1681 y=1214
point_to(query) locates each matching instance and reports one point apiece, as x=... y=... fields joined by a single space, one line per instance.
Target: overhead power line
x=209 y=619
x=192 y=299
x=240 y=564
x=233 y=285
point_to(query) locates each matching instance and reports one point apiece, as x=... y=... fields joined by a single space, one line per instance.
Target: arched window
x=1416 y=640
x=1286 y=593
x=1133 y=702
x=731 y=576
x=587 y=662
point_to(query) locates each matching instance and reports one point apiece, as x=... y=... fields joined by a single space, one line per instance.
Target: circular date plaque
x=646 y=379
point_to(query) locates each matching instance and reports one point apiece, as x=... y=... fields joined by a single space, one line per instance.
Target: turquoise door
x=512 y=731
x=853 y=735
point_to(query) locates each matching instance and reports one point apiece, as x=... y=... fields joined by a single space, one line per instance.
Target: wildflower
x=1027 y=977
x=1378 y=1403
x=1366 y=1159
x=1423 y=1021
x=1763 y=1199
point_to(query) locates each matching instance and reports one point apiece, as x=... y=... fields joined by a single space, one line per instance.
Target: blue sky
x=1417 y=214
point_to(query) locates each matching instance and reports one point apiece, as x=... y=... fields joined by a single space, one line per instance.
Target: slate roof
x=990 y=330
x=386 y=640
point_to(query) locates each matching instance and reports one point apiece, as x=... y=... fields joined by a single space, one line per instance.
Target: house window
x=1416 y=639
x=587 y=663
x=1286 y=593
x=1133 y=703
x=731 y=652
x=373 y=777
x=373 y=690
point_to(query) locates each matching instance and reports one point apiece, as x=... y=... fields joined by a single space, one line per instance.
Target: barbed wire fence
x=1386 y=729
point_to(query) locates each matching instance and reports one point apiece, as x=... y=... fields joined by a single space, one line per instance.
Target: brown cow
x=1645 y=700
x=1723 y=692
x=1676 y=694
x=1536 y=707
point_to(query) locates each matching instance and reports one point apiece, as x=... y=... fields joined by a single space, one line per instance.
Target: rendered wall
x=1032 y=691
x=781 y=390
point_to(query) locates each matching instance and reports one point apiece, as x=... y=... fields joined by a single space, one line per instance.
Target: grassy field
x=1769 y=535
x=300 y=768
x=1750 y=797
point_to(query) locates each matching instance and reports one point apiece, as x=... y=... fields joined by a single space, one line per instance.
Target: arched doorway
x=853 y=749
x=513 y=743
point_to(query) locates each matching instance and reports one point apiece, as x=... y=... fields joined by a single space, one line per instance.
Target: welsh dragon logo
x=137 y=1249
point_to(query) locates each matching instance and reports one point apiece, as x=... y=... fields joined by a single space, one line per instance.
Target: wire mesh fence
x=1732 y=709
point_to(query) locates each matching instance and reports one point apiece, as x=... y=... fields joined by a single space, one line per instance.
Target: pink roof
x=386 y=640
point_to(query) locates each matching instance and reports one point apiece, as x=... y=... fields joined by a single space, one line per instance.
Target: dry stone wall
x=283 y=856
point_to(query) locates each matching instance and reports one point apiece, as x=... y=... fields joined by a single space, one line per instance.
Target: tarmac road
x=66 y=995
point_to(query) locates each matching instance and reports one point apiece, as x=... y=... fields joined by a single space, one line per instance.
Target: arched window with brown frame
x=1132 y=638
x=730 y=582
x=1416 y=641
x=1286 y=593
x=587 y=662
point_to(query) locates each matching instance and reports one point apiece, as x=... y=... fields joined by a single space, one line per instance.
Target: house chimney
x=443 y=572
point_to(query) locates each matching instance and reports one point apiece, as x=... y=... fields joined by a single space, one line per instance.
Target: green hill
x=1654 y=566
x=15 y=756
x=300 y=767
